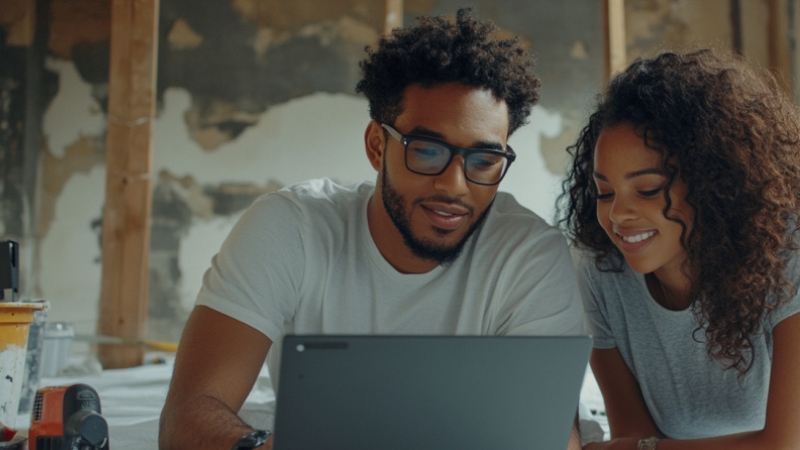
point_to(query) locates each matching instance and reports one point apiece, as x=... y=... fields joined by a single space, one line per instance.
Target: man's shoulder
x=326 y=189
x=317 y=203
x=315 y=195
x=610 y=275
x=510 y=218
x=514 y=233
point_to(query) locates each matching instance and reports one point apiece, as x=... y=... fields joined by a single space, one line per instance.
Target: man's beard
x=394 y=203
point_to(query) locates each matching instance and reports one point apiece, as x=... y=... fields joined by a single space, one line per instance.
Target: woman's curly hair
x=732 y=137
x=437 y=51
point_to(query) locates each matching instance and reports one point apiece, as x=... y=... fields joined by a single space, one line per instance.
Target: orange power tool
x=67 y=418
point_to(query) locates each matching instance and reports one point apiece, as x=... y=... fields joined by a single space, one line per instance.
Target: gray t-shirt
x=688 y=394
x=302 y=260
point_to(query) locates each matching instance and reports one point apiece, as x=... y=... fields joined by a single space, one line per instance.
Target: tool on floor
x=10 y=439
x=67 y=418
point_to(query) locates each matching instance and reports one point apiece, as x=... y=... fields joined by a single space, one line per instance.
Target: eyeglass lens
x=430 y=158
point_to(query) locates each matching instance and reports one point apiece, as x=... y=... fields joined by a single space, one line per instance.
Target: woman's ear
x=375 y=144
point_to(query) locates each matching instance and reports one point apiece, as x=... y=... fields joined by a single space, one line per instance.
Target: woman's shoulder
x=610 y=275
x=596 y=265
x=790 y=303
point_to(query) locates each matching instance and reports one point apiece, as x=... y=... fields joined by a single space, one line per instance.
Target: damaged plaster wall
x=256 y=95
x=26 y=87
x=249 y=93
x=656 y=25
x=198 y=195
x=243 y=107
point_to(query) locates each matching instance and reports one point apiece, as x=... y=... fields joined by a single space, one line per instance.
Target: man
x=430 y=248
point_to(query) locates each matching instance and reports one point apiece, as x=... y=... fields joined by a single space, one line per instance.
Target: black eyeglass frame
x=508 y=154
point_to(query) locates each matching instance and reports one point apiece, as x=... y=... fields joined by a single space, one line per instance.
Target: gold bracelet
x=648 y=444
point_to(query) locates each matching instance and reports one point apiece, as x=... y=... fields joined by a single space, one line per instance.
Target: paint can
x=15 y=320
x=33 y=362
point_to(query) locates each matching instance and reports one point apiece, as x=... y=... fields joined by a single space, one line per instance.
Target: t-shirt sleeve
x=791 y=306
x=544 y=299
x=787 y=309
x=594 y=306
x=255 y=278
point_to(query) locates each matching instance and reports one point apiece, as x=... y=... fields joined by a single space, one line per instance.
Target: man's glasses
x=427 y=156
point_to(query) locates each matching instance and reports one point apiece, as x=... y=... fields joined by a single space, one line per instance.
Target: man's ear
x=375 y=144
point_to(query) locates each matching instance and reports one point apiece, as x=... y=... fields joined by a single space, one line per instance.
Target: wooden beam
x=794 y=37
x=18 y=18
x=128 y=202
x=778 y=48
x=737 y=44
x=616 y=51
x=394 y=15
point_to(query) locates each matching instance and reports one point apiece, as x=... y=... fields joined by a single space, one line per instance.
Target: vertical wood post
x=778 y=45
x=616 y=51
x=737 y=43
x=394 y=15
x=128 y=199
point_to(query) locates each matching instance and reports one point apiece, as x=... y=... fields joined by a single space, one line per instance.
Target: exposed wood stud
x=736 y=27
x=614 y=24
x=394 y=15
x=128 y=197
x=778 y=51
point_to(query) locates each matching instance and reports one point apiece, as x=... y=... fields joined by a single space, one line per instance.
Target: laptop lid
x=428 y=392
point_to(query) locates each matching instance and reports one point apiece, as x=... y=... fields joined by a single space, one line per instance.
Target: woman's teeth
x=638 y=237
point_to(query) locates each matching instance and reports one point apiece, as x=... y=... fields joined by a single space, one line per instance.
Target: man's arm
x=218 y=361
x=575 y=436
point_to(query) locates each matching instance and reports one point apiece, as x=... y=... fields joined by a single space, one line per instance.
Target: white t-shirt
x=302 y=261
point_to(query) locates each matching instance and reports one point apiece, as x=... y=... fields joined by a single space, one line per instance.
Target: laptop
x=389 y=392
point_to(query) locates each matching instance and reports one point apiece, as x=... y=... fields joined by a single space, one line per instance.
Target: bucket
x=33 y=363
x=15 y=320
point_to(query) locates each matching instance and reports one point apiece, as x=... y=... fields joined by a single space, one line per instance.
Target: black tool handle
x=9 y=268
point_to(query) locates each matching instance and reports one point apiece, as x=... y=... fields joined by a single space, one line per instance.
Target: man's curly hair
x=728 y=132
x=437 y=51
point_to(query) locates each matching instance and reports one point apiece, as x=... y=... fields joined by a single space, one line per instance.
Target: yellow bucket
x=15 y=319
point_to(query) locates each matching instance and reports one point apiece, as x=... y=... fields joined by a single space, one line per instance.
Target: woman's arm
x=782 y=427
x=627 y=413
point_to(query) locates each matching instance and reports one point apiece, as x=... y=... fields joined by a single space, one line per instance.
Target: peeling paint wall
x=252 y=96
x=655 y=25
x=26 y=88
x=248 y=93
x=238 y=59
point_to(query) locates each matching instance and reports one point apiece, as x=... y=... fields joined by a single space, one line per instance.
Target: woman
x=683 y=196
